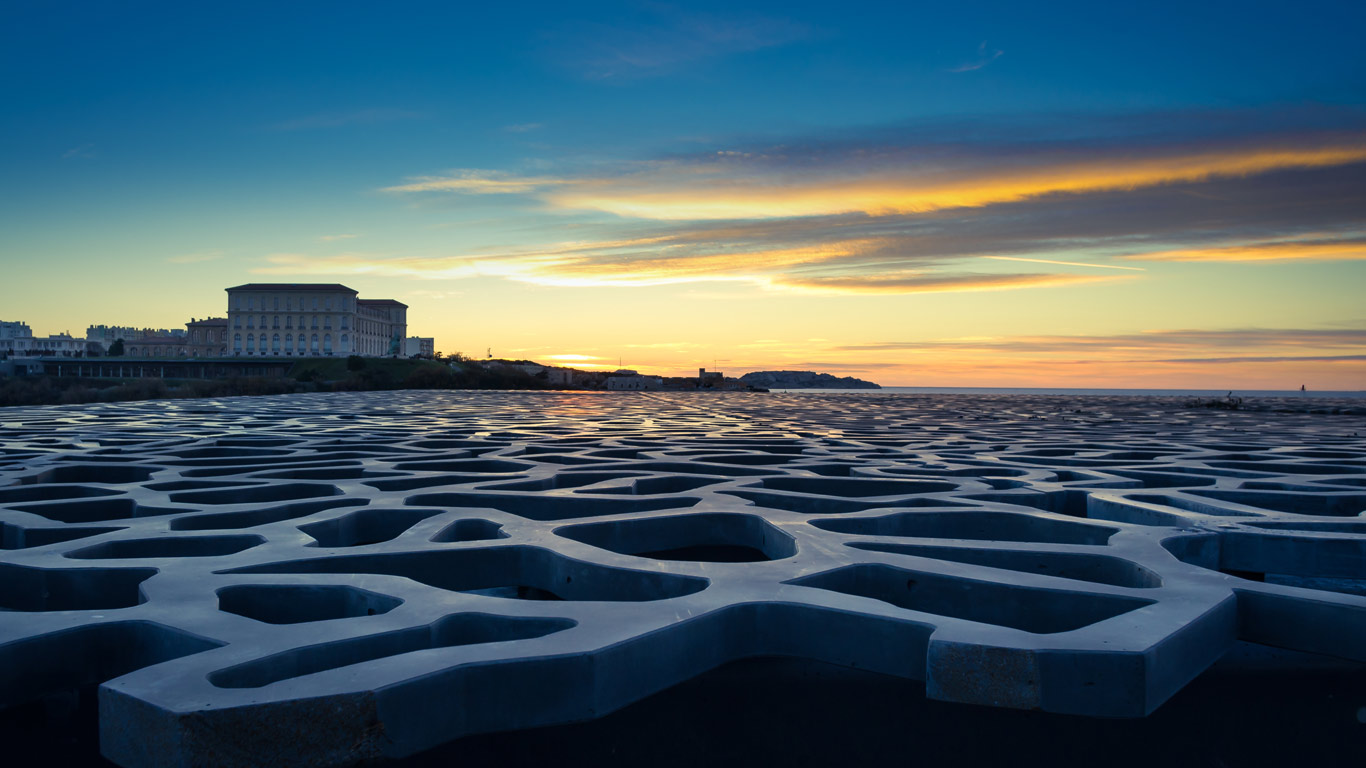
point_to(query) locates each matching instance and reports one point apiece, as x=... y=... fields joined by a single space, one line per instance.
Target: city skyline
x=983 y=195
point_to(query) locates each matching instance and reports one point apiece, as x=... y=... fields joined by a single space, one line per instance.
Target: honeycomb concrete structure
x=338 y=578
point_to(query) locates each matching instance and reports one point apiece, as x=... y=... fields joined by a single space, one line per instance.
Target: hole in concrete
x=300 y=603
x=17 y=537
x=52 y=493
x=825 y=505
x=855 y=488
x=472 y=570
x=485 y=466
x=546 y=508
x=726 y=537
x=23 y=588
x=451 y=631
x=91 y=473
x=257 y=493
x=1100 y=569
x=248 y=518
x=366 y=526
x=168 y=546
x=973 y=526
x=1040 y=611
x=1334 y=505
x=470 y=530
x=97 y=510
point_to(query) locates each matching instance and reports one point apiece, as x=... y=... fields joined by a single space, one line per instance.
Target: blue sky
x=909 y=176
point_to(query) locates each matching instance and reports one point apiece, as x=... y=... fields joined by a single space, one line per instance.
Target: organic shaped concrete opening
x=97 y=510
x=475 y=466
x=248 y=518
x=725 y=537
x=18 y=537
x=90 y=654
x=1164 y=479
x=504 y=571
x=1334 y=505
x=168 y=546
x=974 y=526
x=855 y=488
x=1287 y=468
x=825 y=505
x=1186 y=504
x=225 y=451
x=561 y=480
x=1040 y=611
x=366 y=526
x=300 y=603
x=257 y=493
x=52 y=493
x=24 y=588
x=256 y=467
x=336 y=473
x=750 y=459
x=428 y=481
x=91 y=473
x=691 y=468
x=1100 y=569
x=546 y=508
x=451 y=631
x=649 y=486
x=197 y=485
x=472 y=529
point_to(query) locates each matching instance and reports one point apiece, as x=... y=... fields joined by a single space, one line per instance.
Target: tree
x=116 y=349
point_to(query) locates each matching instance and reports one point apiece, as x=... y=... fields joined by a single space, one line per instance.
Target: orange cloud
x=721 y=192
x=932 y=283
x=1278 y=250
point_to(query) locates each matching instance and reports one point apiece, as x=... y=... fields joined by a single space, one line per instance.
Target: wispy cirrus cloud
x=477 y=182
x=79 y=152
x=523 y=127
x=662 y=39
x=334 y=238
x=353 y=117
x=985 y=56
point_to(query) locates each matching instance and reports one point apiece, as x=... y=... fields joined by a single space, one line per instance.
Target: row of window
x=303 y=344
x=342 y=322
x=290 y=302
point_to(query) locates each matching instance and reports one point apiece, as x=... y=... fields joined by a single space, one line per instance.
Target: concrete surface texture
x=332 y=579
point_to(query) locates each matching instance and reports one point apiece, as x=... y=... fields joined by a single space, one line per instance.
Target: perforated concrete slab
x=327 y=579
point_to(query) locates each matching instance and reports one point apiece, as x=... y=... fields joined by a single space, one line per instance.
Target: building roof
x=381 y=301
x=330 y=287
x=209 y=321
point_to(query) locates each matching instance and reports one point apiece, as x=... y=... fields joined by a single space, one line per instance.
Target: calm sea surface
x=1075 y=392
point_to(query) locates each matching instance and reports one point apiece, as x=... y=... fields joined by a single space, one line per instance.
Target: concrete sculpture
x=327 y=579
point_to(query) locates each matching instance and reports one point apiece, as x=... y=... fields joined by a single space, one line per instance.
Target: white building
x=312 y=320
x=14 y=330
x=56 y=345
x=419 y=346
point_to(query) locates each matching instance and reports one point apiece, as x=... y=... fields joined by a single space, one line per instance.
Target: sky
x=951 y=194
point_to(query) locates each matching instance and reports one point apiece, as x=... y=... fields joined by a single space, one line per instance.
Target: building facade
x=419 y=346
x=311 y=320
x=14 y=330
x=207 y=337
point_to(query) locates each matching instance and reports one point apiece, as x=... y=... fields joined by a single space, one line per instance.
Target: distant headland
x=804 y=380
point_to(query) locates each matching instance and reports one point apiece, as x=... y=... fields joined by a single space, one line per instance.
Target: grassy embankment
x=311 y=375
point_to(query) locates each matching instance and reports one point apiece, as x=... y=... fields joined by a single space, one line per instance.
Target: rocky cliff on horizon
x=804 y=380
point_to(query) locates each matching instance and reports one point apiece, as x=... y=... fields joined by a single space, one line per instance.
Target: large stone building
x=312 y=320
x=201 y=338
